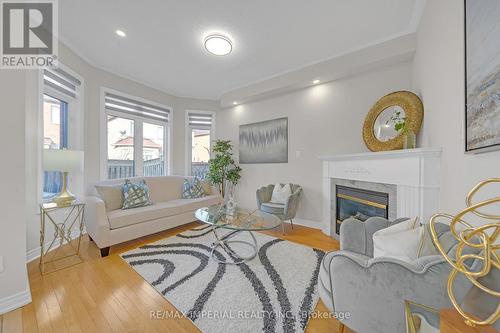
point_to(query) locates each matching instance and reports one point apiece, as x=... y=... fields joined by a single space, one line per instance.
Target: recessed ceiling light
x=316 y=81
x=218 y=45
x=235 y=103
x=121 y=33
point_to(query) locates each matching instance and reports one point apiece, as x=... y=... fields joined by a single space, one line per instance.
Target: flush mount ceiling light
x=121 y=33
x=235 y=103
x=316 y=81
x=218 y=45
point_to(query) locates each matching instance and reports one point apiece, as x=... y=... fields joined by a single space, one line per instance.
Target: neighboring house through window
x=199 y=134
x=136 y=136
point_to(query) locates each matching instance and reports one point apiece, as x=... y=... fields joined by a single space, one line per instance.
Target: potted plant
x=222 y=169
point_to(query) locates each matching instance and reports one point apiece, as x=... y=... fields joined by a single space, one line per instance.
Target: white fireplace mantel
x=415 y=172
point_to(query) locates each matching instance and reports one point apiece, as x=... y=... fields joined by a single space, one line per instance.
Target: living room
x=282 y=166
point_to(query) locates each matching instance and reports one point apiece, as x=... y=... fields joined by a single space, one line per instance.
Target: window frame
x=75 y=127
x=188 y=136
x=138 y=133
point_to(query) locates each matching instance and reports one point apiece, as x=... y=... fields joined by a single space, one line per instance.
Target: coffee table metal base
x=224 y=242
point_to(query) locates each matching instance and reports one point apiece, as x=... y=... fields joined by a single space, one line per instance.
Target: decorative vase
x=410 y=140
x=229 y=198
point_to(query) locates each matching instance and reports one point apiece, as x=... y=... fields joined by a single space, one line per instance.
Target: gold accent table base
x=63 y=251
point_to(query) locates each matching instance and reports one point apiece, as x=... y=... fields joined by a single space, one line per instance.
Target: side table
x=65 y=223
x=421 y=318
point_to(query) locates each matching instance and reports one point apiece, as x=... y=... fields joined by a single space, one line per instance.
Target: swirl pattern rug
x=274 y=292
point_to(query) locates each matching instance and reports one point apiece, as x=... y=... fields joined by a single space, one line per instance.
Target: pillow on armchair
x=281 y=193
x=407 y=241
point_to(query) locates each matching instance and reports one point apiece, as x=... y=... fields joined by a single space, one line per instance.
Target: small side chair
x=285 y=211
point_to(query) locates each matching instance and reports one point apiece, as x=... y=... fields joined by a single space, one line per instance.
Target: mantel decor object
x=393 y=122
x=484 y=239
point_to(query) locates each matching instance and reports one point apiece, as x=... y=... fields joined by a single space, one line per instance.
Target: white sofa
x=109 y=227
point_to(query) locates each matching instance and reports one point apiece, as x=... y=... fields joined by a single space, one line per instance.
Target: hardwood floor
x=106 y=295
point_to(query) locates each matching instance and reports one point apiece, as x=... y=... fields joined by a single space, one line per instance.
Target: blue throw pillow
x=192 y=189
x=135 y=195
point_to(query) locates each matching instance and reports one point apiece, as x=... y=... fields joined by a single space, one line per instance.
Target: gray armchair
x=285 y=211
x=373 y=290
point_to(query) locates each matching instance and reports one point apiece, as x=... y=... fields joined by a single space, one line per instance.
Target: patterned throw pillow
x=135 y=195
x=193 y=189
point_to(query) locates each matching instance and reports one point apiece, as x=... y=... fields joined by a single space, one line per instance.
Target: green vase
x=410 y=140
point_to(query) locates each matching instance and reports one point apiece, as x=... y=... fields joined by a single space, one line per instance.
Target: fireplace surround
x=410 y=178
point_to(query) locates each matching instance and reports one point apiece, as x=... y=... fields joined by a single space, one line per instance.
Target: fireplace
x=411 y=177
x=360 y=204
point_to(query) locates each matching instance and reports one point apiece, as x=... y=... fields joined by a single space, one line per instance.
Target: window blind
x=133 y=107
x=200 y=120
x=61 y=81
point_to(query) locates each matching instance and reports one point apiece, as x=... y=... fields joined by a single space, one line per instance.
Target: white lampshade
x=62 y=160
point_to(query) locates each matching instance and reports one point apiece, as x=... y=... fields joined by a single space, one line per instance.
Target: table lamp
x=64 y=161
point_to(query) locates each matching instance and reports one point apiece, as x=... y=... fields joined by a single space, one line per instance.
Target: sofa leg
x=283 y=227
x=291 y=222
x=104 y=252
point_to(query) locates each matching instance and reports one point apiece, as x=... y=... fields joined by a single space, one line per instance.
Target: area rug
x=274 y=292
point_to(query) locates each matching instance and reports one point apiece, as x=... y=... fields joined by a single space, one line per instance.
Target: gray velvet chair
x=373 y=290
x=285 y=211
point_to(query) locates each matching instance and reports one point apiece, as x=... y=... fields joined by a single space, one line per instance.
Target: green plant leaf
x=222 y=167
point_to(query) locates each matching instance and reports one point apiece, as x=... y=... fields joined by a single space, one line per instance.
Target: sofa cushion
x=162 y=189
x=111 y=195
x=273 y=208
x=122 y=218
x=188 y=205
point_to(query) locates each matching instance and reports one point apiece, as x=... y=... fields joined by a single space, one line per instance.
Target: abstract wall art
x=482 y=75
x=264 y=142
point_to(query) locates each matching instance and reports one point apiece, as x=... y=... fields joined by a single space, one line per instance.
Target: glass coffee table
x=241 y=220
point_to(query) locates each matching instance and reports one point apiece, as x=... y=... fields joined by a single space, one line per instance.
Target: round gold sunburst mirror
x=393 y=116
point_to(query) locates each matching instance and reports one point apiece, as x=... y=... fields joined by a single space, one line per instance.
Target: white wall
x=14 y=290
x=95 y=78
x=323 y=119
x=438 y=77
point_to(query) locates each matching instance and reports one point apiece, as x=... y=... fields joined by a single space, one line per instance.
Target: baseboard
x=308 y=223
x=15 y=301
x=35 y=253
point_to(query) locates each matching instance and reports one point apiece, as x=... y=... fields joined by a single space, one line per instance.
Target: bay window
x=60 y=99
x=199 y=135
x=137 y=134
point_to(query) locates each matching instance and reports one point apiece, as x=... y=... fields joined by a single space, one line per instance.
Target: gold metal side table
x=70 y=221
x=421 y=318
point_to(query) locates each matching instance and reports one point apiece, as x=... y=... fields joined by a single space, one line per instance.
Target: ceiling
x=164 y=44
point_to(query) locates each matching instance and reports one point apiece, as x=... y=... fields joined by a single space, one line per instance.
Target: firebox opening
x=360 y=204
